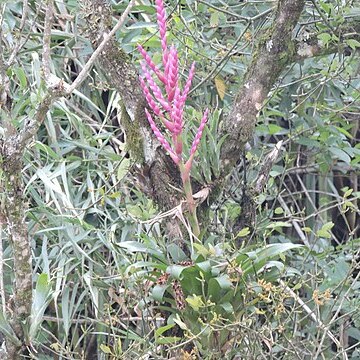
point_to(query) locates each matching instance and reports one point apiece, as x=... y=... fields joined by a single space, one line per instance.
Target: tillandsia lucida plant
x=169 y=107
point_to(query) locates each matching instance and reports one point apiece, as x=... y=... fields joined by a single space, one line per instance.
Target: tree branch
x=47 y=40
x=85 y=71
x=12 y=210
x=56 y=86
x=4 y=79
x=276 y=50
x=33 y=125
x=261 y=76
x=312 y=46
x=271 y=58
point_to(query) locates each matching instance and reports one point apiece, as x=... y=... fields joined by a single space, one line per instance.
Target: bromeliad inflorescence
x=169 y=106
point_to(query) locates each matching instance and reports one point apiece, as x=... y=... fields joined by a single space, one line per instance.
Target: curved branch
x=271 y=58
x=312 y=46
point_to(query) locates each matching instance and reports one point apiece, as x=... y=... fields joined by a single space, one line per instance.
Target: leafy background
x=108 y=283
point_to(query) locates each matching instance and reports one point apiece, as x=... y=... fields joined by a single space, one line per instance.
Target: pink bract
x=169 y=107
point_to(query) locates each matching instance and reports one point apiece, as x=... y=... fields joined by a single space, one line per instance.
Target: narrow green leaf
x=105 y=349
x=214 y=19
x=123 y=169
x=243 y=232
x=353 y=43
x=181 y=324
x=324 y=232
x=162 y=329
x=158 y=292
x=175 y=271
x=41 y=300
x=6 y=329
x=224 y=281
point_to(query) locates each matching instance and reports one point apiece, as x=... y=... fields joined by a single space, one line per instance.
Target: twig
x=315 y=210
x=327 y=23
x=84 y=72
x=32 y=127
x=2 y=20
x=90 y=321
x=57 y=87
x=272 y=56
x=340 y=307
x=2 y=289
x=311 y=314
x=4 y=79
x=266 y=168
x=294 y=223
x=217 y=68
x=24 y=15
x=224 y=11
x=47 y=40
x=19 y=44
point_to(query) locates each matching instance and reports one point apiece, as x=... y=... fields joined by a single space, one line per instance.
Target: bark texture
x=13 y=216
x=310 y=46
x=274 y=52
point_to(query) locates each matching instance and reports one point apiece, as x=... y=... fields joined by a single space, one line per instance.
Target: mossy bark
x=120 y=72
x=273 y=54
x=13 y=217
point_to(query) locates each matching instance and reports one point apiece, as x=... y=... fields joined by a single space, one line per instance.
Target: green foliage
x=6 y=329
x=216 y=288
x=108 y=281
x=42 y=298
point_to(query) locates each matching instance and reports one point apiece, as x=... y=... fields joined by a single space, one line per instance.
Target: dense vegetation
x=98 y=258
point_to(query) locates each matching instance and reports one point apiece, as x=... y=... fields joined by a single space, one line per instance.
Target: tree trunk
x=13 y=217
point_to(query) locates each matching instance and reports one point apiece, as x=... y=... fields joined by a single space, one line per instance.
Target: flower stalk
x=168 y=107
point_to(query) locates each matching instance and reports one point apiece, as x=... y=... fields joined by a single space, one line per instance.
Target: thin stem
x=85 y=71
x=47 y=40
x=185 y=176
x=2 y=288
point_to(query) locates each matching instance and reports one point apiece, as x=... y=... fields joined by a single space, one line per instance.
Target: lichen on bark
x=13 y=215
x=134 y=140
x=269 y=60
x=121 y=74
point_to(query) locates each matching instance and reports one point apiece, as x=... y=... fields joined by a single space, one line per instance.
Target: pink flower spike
x=177 y=112
x=199 y=133
x=172 y=73
x=178 y=146
x=188 y=165
x=161 y=138
x=173 y=68
x=149 y=97
x=188 y=82
x=168 y=124
x=161 y=19
x=151 y=64
x=166 y=66
x=155 y=88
